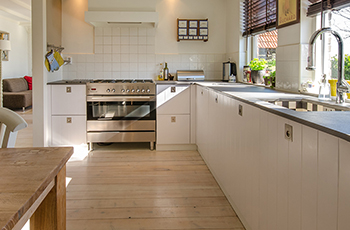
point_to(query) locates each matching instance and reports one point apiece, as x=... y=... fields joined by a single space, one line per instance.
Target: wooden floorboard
x=140 y=189
x=145 y=190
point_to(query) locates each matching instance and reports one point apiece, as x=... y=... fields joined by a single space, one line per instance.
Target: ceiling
x=16 y=10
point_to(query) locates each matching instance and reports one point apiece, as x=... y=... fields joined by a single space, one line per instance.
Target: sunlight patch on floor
x=80 y=153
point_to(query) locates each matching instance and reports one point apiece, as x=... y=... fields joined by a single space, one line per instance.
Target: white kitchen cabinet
x=309 y=179
x=344 y=185
x=68 y=115
x=271 y=181
x=68 y=130
x=173 y=129
x=173 y=100
x=174 y=117
x=68 y=100
x=201 y=119
x=327 y=196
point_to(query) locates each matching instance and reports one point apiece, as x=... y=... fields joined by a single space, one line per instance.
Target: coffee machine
x=229 y=68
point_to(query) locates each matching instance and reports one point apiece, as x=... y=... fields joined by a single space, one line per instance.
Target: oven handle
x=118 y=98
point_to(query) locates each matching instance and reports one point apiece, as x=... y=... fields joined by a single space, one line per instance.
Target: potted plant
x=270 y=80
x=257 y=67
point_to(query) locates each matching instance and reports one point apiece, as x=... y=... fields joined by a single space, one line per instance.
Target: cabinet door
x=344 y=185
x=327 y=194
x=174 y=100
x=68 y=130
x=201 y=119
x=68 y=100
x=173 y=129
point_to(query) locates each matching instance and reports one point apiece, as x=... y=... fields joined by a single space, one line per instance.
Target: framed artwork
x=182 y=31
x=288 y=12
x=203 y=32
x=4 y=53
x=192 y=32
x=192 y=29
x=193 y=24
x=203 y=24
x=182 y=23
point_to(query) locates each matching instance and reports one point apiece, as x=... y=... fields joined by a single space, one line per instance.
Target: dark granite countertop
x=336 y=123
x=70 y=82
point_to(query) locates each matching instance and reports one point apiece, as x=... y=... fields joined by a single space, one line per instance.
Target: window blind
x=315 y=7
x=259 y=16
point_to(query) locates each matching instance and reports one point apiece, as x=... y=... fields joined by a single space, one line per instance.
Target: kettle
x=229 y=68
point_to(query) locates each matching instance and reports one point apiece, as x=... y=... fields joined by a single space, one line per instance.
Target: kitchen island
x=33 y=186
x=279 y=168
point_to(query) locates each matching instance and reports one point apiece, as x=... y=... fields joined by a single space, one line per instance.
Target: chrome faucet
x=342 y=85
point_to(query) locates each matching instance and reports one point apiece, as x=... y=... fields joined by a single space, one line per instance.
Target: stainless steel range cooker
x=121 y=111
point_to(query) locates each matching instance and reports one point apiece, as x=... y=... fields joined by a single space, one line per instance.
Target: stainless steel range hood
x=110 y=18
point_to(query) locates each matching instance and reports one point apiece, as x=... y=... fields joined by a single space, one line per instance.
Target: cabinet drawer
x=68 y=99
x=174 y=100
x=173 y=129
x=68 y=130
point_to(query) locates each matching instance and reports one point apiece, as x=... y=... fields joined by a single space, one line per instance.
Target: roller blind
x=259 y=16
x=315 y=7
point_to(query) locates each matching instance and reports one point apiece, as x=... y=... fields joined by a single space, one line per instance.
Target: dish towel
x=52 y=64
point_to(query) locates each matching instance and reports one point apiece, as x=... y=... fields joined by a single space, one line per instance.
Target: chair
x=10 y=124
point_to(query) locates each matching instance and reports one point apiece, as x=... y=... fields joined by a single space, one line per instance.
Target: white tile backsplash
x=123 y=52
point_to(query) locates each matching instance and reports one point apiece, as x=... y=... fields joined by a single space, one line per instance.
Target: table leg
x=51 y=214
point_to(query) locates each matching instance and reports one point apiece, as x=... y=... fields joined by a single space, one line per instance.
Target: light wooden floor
x=143 y=189
x=25 y=136
x=118 y=188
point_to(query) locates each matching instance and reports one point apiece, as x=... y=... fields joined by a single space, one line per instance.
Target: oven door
x=121 y=108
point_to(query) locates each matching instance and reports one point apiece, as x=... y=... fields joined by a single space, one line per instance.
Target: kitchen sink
x=306 y=105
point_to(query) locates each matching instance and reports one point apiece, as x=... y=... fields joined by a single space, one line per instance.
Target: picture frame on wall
x=203 y=24
x=182 y=23
x=288 y=12
x=182 y=32
x=193 y=24
x=192 y=32
x=203 y=32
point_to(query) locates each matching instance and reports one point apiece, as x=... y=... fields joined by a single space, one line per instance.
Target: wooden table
x=32 y=185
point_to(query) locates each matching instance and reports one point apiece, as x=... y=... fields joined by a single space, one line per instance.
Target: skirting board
x=176 y=147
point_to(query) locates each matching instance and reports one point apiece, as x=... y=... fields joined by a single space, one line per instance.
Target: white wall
x=93 y=58
x=18 y=64
x=291 y=55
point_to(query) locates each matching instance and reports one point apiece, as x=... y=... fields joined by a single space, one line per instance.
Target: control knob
x=113 y=90
x=123 y=90
x=142 y=90
x=133 y=91
x=148 y=90
x=138 y=90
x=108 y=90
x=128 y=90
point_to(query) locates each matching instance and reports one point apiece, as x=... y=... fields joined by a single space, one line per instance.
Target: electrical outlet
x=68 y=89
x=288 y=132
x=173 y=89
x=69 y=120
x=173 y=119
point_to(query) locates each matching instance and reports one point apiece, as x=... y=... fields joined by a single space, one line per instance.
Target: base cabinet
x=174 y=117
x=68 y=130
x=274 y=182
x=68 y=115
x=173 y=129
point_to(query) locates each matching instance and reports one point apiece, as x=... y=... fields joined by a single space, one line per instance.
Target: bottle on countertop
x=325 y=89
x=165 y=72
x=160 y=75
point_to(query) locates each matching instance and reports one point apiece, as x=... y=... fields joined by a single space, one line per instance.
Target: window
x=259 y=27
x=338 y=20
